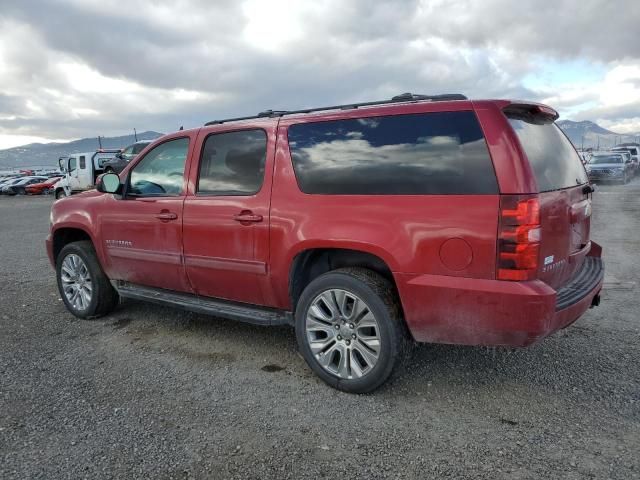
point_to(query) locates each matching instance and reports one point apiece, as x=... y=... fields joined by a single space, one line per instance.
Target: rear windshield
x=554 y=161
x=600 y=159
x=420 y=154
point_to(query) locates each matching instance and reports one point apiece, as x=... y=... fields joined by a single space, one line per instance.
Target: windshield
x=600 y=159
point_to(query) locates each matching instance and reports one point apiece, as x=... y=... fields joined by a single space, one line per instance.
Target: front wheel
x=84 y=287
x=350 y=330
x=60 y=193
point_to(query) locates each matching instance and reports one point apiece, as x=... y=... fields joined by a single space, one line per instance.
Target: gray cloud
x=342 y=52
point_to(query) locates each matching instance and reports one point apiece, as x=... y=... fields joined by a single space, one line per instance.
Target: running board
x=255 y=315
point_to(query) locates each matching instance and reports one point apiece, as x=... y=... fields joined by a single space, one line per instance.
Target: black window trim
x=231 y=193
x=127 y=185
x=384 y=114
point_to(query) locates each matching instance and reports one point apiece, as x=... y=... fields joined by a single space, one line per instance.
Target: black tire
x=60 y=194
x=104 y=298
x=46 y=191
x=379 y=295
x=21 y=191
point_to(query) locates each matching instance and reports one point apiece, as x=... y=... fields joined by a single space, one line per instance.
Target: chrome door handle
x=247 y=217
x=166 y=216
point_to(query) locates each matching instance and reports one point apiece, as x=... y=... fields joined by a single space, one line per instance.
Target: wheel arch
x=310 y=263
x=66 y=235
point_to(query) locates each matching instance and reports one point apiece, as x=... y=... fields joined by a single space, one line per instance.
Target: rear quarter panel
x=411 y=233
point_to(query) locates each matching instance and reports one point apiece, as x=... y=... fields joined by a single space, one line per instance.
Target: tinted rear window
x=233 y=163
x=554 y=161
x=432 y=153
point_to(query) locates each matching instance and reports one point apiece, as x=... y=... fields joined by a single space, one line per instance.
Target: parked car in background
x=18 y=187
x=420 y=218
x=610 y=167
x=122 y=159
x=42 y=188
x=634 y=151
x=81 y=170
x=8 y=180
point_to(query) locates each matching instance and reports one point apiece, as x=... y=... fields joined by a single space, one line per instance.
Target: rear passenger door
x=226 y=216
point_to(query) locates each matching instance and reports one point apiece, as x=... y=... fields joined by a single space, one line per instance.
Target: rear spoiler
x=531 y=112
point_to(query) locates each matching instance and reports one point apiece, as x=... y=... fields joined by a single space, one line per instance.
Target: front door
x=226 y=221
x=73 y=174
x=142 y=232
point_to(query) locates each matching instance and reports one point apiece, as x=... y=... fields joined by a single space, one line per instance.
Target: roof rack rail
x=404 y=97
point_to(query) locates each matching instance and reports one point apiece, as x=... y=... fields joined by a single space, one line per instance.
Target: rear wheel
x=349 y=329
x=46 y=191
x=84 y=287
x=21 y=191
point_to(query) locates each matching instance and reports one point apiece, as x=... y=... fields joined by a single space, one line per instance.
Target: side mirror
x=109 y=183
x=119 y=155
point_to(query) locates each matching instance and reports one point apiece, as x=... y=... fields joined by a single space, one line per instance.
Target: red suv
x=433 y=219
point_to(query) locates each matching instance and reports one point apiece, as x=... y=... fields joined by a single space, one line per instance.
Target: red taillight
x=519 y=237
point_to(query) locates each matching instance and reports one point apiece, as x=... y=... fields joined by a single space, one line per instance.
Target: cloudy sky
x=81 y=68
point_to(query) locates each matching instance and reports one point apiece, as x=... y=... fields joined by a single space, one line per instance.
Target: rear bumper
x=467 y=311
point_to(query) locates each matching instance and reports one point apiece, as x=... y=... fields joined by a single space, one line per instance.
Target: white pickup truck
x=81 y=170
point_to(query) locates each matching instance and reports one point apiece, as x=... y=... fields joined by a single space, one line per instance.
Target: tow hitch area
x=596 y=301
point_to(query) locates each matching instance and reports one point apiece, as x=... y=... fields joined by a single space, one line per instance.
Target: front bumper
x=468 y=311
x=606 y=175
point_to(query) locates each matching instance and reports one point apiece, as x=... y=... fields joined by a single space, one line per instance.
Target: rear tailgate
x=565 y=222
x=565 y=203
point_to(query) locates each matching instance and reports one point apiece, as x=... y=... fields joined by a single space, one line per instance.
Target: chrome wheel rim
x=76 y=282
x=343 y=334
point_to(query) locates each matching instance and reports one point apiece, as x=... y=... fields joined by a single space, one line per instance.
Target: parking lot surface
x=155 y=392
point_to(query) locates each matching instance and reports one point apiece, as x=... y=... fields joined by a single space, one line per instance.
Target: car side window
x=83 y=163
x=233 y=163
x=161 y=171
x=72 y=164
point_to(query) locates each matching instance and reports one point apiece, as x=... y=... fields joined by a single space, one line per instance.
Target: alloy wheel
x=76 y=282
x=343 y=334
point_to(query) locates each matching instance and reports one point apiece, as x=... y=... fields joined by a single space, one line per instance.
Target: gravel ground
x=156 y=392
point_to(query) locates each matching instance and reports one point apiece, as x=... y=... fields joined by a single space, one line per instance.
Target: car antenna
x=181 y=127
x=135 y=134
x=99 y=143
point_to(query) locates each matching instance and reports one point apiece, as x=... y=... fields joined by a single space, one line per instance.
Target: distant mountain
x=47 y=154
x=591 y=134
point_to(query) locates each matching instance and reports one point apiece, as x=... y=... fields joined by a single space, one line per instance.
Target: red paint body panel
x=484 y=312
x=415 y=226
x=441 y=249
x=226 y=258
